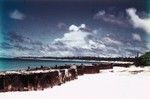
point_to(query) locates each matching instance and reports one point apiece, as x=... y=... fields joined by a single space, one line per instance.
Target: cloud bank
x=76 y=41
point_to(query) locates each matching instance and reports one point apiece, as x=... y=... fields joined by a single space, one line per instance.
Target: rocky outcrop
x=44 y=77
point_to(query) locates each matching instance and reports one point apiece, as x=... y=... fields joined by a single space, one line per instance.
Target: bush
x=145 y=59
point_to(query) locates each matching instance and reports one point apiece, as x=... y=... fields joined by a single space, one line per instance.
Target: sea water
x=18 y=64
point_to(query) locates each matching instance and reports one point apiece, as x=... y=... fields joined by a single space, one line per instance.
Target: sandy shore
x=118 y=83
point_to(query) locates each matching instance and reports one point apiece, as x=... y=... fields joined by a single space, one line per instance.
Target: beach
x=116 y=83
x=74 y=49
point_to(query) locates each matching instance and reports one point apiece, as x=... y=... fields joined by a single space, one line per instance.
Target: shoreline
x=45 y=77
x=119 y=84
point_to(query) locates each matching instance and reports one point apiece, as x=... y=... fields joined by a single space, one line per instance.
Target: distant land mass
x=84 y=58
x=138 y=60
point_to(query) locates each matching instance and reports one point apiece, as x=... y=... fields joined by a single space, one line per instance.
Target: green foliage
x=145 y=59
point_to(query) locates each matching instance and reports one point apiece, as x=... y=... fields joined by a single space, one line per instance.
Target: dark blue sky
x=42 y=28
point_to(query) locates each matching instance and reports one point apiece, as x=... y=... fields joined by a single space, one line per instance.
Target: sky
x=101 y=28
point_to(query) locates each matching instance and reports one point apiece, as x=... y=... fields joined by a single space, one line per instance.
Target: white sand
x=119 y=84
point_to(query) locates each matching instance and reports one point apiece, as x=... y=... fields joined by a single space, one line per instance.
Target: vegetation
x=131 y=59
x=145 y=59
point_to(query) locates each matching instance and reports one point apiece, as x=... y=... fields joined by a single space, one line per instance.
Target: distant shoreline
x=76 y=59
x=23 y=63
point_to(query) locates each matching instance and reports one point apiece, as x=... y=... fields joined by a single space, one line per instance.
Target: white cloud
x=109 y=40
x=17 y=15
x=77 y=42
x=82 y=26
x=136 y=37
x=137 y=21
x=80 y=42
x=97 y=45
x=73 y=28
x=77 y=28
x=109 y=18
x=75 y=37
x=100 y=13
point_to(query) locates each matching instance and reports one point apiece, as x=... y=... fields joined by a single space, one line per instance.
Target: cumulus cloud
x=80 y=42
x=73 y=28
x=136 y=37
x=76 y=37
x=137 y=21
x=77 y=28
x=76 y=42
x=17 y=15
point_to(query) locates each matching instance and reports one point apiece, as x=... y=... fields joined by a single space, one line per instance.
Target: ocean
x=18 y=64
